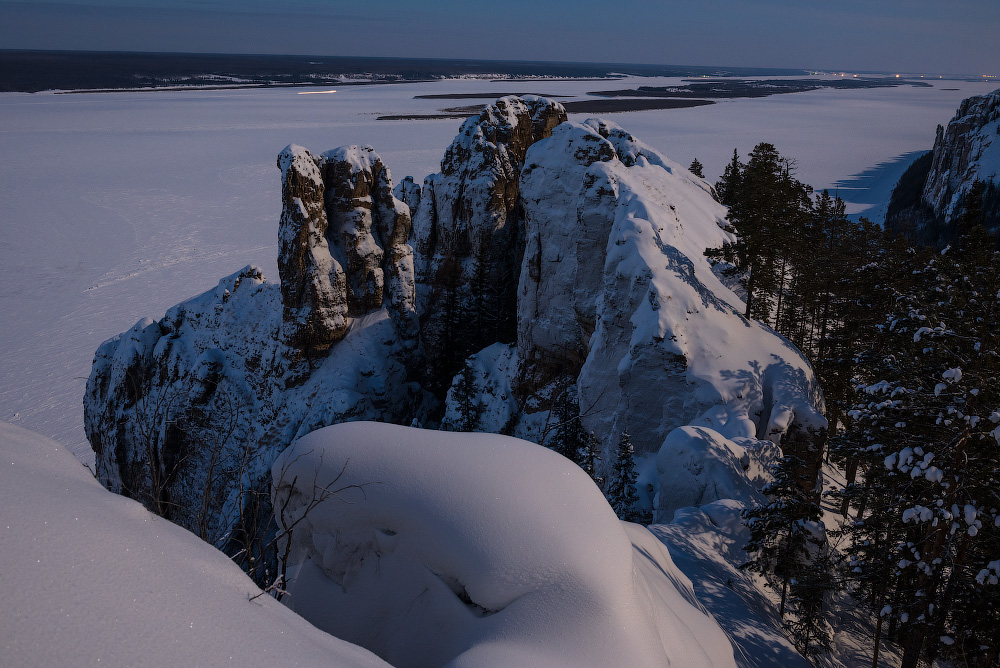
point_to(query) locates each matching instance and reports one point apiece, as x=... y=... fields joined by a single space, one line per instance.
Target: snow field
x=119 y=205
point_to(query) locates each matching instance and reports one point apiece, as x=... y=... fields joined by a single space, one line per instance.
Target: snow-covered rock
x=343 y=244
x=967 y=150
x=313 y=286
x=615 y=304
x=93 y=579
x=616 y=292
x=436 y=548
x=187 y=413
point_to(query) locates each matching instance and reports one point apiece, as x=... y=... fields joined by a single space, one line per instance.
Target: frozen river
x=116 y=206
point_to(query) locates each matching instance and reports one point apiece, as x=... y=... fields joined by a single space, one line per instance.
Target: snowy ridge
x=479 y=550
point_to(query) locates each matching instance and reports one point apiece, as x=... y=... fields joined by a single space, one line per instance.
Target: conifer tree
x=697 y=168
x=592 y=458
x=470 y=407
x=621 y=492
x=568 y=438
x=782 y=529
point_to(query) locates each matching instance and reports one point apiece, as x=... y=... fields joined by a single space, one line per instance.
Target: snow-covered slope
x=438 y=548
x=93 y=579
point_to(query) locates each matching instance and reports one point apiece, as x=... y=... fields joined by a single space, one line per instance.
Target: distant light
x=315 y=92
x=897 y=76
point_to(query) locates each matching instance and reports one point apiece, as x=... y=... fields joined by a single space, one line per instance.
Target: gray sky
x=922 y=36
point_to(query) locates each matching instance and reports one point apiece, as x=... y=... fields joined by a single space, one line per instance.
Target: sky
x=912 y=36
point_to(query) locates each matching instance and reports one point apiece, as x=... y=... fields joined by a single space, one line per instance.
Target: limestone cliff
x=959 y=179
x=188 y=413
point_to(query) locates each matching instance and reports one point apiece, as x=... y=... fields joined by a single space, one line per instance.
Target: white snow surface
x=440 y=548
x=697 y=465
x=91 y=578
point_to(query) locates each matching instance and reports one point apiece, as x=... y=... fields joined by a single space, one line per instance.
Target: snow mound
x=697 y=465
x=92 y=578
x=438 y=548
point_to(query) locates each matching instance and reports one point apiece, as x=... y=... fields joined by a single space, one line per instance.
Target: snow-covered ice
x=119 y=205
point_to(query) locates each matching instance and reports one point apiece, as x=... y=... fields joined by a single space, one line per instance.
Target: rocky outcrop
x=187 y=413
x=343 y=245
x=467 y=232
x=567 y=256
x=939 y=191
x=313 y=284
x=618 y=306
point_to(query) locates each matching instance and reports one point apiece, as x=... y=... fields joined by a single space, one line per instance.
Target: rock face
x=962 y=173
x=467 y=232
x=313 y=284
x=343 y=244
x=618 y=305
x=968 y=149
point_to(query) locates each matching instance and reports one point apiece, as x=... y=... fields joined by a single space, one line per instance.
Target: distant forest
x=33 y=71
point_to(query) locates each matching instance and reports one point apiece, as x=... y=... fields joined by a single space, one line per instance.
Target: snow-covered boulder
x=615 y=291
x=93 y=579
x=436 y=548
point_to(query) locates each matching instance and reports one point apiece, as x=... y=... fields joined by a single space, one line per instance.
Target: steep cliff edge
x=941 y=190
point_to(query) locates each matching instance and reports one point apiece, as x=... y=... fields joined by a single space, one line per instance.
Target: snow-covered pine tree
x=931 y=421
x=785 y=532
x=621 y=493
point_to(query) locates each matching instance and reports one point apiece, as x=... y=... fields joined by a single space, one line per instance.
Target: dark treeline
x=905 y=342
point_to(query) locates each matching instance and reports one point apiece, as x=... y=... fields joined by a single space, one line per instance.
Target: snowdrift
x=91 y=578
x=436 y=548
